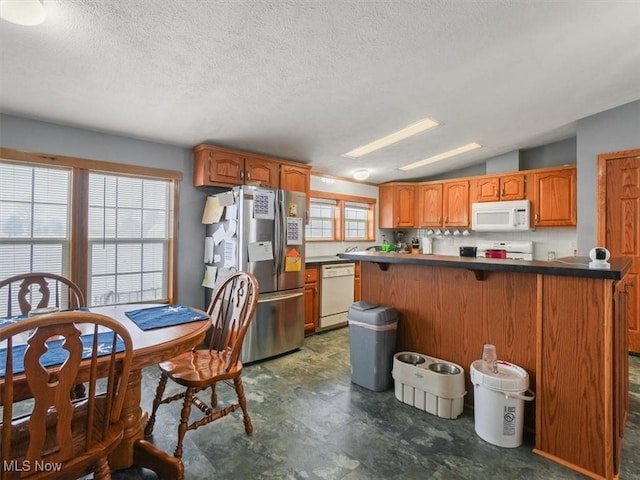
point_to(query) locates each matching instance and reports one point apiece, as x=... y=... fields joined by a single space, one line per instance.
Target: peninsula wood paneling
x=447 y=313
x=573 y=365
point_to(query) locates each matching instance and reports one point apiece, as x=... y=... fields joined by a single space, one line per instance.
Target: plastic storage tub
x=499 y=402
x=372 y=342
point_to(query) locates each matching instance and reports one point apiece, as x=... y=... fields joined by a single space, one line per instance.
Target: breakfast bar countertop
x=325 y=260
x=566 y=266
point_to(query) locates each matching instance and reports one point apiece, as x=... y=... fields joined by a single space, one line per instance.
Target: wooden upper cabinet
x=555 y=197
x=430 y=205
x=397 y=207
x=223 y=167
x=261 y=171
x=214 y=167
x=295 y=178
x=455 y=203
x=504 y=187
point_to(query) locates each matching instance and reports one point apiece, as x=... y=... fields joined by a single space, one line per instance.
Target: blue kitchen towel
x=56 y=355
x=6 y=321
x=164 y=316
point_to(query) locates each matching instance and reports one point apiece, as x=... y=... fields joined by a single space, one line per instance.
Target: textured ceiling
x=312 y=79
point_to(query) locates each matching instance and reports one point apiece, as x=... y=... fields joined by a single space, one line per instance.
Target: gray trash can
x=372 y=341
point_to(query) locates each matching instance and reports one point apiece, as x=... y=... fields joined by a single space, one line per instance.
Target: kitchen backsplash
x=562 y=241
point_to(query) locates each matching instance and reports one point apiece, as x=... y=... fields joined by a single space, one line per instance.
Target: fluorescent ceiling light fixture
x=361 y=174
x=406 y=132
x=23 y=12
x=441 y=156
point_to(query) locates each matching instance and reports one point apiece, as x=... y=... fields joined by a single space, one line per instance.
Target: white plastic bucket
x=499 y=403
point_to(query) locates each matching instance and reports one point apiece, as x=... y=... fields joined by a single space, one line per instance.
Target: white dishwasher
x=336 y=294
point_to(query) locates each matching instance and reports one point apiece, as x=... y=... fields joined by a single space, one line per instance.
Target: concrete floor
x=311 y=422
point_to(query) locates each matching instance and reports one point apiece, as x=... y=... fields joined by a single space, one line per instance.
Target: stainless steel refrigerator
x=267 y=240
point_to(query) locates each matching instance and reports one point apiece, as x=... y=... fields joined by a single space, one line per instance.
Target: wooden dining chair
x=51 y=435
x=231 y=310
x=22 y=293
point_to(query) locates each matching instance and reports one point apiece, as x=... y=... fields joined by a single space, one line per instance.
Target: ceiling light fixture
x=442 y=156
x=23 y=12
x=406 y=132
x=361 y=174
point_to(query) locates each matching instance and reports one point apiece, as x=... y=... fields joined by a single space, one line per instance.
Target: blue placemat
x=56 y=355
x=164 y=316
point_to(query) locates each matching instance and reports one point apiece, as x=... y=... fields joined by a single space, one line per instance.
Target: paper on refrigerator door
x=230 y=253
x=208 y=249
x=294 y=231
x=260 y=251
x=264 y=204
x=226 y=199
x=212 y=210
x=231 y=212
x=232 y=227
x=218 y=235
x=209 y=279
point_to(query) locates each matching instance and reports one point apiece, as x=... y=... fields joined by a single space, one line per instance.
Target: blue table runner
x=164 y=316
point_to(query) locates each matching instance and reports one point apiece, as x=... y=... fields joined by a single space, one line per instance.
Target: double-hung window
x=337 y=217
x=34 y=219
x=108 y=227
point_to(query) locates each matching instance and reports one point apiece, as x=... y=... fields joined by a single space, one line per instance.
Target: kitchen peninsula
x=561 y=321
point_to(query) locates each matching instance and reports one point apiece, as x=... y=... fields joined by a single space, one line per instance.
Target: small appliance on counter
x=427 y=245
x=510 y=250
x=468 y=251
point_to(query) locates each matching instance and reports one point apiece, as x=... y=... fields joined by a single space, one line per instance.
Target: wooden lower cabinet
x=356 y=283
x=311 y=299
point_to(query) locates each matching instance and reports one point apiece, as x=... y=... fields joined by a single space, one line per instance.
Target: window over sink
x=337 y=217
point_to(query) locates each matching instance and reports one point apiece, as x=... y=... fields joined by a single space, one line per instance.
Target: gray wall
x=42 y=137
x=550 y=155
x=610 y=131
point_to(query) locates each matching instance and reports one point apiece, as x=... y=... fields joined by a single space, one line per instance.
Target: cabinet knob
x=242 y=175
x=398 y=221
x=248 y=175
x=537 y=217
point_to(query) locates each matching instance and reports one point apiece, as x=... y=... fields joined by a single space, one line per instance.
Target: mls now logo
x=28 y=466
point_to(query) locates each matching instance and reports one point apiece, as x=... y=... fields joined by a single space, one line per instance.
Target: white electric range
x=516 y=250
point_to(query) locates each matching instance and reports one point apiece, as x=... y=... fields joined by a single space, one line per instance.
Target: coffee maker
x=401 y=246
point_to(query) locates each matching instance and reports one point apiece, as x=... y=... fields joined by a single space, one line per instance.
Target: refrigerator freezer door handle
x=280 y=297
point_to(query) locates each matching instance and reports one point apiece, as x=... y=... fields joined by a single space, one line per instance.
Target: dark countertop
x=324 y=260
x=567 y=266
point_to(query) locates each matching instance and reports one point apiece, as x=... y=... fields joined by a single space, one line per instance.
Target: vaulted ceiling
x=309 y=80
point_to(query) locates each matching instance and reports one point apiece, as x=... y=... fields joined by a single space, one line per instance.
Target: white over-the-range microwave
x=514 y=216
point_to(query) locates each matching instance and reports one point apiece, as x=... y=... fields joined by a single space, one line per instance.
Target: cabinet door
x=226 y=168
x=294 y=178
x=488 y=189
x=385 y=208
x=405 y=205
x=430 y=205
x=512 y=187
x=555 y=198
x=261 y=171
x=311 y=297
x=356 y=284
x=456 y=204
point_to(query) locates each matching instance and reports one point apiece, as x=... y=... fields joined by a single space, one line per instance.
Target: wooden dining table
x=150 y=347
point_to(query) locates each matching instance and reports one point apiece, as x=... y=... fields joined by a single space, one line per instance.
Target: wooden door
x=555 y=198
x=404 y=205
x=430 y=205
x=261 y=171
x=619 y=224
x=488 y=189
x=512 y=187
x=226 y=168
x=456 y=204
x=311 y=300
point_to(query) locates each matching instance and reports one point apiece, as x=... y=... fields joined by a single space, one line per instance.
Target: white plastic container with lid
x=499 y=402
